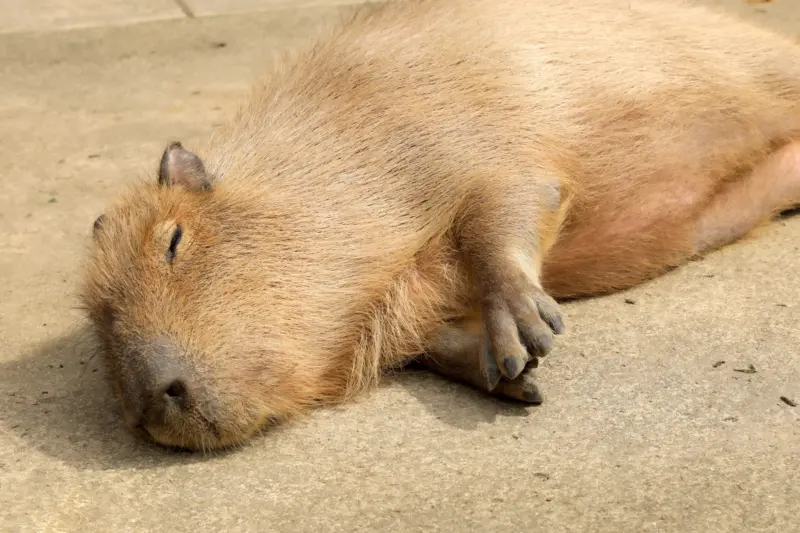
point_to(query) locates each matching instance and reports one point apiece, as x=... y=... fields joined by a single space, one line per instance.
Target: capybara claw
x=520 y=326
x=523 y=388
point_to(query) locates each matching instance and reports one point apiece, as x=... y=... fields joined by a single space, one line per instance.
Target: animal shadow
x=55 y=399
x=454 y=403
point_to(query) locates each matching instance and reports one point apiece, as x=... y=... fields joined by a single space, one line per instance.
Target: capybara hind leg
x=769 y=189
x=455 y=352
x=606 y=254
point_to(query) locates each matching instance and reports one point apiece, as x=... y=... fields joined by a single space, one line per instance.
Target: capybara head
x=188 y=287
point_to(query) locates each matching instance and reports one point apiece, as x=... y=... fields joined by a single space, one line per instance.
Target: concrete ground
x=649 y=425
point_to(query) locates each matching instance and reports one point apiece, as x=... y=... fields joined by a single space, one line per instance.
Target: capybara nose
x=167 y=389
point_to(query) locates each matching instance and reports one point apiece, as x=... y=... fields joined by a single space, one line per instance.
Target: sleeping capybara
x=425 y=181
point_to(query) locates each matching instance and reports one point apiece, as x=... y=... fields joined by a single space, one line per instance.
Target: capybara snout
x=159 y=387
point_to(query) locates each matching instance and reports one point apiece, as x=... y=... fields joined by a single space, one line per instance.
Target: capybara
x=426 y=181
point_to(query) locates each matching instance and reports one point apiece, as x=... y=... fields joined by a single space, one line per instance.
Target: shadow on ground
x=453 y=403
x=56 y=400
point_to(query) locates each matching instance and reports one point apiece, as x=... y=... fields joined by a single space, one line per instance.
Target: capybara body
x=424 y=181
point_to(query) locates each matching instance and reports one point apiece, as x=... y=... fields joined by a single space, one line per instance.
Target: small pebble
x=718 y=364
x=630 y=301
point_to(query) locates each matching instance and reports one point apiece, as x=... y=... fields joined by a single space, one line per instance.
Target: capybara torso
x=427 y=164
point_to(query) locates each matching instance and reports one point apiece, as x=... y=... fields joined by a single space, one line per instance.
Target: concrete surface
x=641 y=430
x=41 y=15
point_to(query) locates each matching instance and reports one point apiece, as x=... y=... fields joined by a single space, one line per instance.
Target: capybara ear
x=181 y=168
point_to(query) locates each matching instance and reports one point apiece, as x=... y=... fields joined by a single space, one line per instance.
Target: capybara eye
x=98 y=222
x=173 y=243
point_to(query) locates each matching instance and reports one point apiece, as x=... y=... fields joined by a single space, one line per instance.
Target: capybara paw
x=519 y=326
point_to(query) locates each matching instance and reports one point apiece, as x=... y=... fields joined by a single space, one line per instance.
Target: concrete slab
x=642 y=430
x=44 y=15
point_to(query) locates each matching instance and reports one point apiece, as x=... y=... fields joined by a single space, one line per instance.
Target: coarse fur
x=422 y=180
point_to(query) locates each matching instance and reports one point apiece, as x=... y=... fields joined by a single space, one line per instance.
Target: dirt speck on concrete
x=749 y=370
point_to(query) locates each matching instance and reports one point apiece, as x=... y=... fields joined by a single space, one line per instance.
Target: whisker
x=95 y=352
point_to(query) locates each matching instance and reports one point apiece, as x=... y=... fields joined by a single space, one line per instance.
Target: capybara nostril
x=177 y=392
x=167 y=398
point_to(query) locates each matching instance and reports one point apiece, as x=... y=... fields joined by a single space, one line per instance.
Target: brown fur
x=426 y=162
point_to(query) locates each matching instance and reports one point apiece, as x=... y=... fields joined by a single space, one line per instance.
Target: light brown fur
x=426 y=164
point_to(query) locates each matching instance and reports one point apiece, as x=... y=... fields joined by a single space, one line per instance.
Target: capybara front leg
x=770 y=188
x=503 y=238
